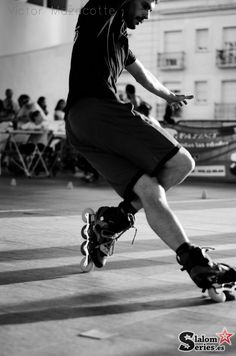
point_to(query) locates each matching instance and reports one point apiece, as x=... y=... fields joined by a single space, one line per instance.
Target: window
x=228 y=91
x=173 y=41
x=201 y=96
x=57 y=4
x=53 y=4
x=37 y=2
x=229 y=38
x=202 y=40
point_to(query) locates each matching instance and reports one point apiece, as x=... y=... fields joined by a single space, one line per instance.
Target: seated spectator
x=10 y=105
x=36 y=122
x=168 y=116
x=59 y=111
x=23 y=99
x=43 y=104
x=131 y=96
x=5 y=121
x=27 y=108
x=3 y=112
x=145 y=109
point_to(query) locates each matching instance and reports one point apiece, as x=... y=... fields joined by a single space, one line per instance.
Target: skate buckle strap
x=135 y=233
x=122 y=232
x=131 y=221
x=118 y=235
x=108 y=247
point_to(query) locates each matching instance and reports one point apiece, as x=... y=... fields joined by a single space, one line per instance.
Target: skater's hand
x=176 y=100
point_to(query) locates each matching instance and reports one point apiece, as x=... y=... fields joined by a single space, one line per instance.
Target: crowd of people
x=26 y=114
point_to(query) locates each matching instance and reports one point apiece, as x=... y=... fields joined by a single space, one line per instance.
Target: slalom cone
x=13 y=182
x=70 y=185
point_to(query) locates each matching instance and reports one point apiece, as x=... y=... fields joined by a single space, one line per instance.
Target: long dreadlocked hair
x=108 y=25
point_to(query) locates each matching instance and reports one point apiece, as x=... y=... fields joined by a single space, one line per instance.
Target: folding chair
x=25 y=153
x=55 y=145
x=18 y=138
x=41 y=152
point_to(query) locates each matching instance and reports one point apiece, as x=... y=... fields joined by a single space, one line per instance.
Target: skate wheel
x=82 y=248
x=83 y=233
x=85 y=212
x=86 y=268
x=218 y=296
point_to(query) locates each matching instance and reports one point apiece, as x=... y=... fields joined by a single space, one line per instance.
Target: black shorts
x=119 y=143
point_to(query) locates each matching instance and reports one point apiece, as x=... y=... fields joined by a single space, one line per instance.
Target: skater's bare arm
x=152 y=84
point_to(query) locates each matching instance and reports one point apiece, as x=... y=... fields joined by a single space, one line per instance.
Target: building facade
x=190 y=45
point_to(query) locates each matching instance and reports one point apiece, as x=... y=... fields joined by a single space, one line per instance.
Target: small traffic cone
x=13 y=182
x=204 y=195
x=70 y=185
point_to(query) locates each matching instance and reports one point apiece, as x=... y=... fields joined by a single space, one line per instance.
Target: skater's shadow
x=46 y=273
x=71 y=308
x=38 y=274
x=32 y=254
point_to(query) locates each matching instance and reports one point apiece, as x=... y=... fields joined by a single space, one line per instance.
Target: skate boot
x=218 y=278
x=102 y=230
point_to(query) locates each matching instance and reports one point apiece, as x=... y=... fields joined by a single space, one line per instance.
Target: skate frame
x=88 y=222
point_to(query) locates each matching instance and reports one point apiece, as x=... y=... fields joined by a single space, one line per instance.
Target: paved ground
x=137 y=305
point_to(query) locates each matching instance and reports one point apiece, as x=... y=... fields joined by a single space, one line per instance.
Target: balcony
x=225 y=111
x=171 y=60
x=226 y=58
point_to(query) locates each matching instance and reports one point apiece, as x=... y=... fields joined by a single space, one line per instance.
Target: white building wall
x=35 y=49
x=186 y=16
x=26 y=27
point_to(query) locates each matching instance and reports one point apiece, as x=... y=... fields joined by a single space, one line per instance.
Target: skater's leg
x=173 y=172
x=203 y=271
x=159 y=215
x=150 y=195
x=176 y=169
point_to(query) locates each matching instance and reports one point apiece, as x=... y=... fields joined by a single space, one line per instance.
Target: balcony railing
x=171 y=60
x=226 y=58
x=225 y=111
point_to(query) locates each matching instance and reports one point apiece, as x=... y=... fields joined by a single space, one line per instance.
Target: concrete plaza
x=138 y=305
